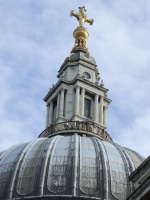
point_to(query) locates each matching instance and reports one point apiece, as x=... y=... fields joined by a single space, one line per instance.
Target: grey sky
x=36 y=37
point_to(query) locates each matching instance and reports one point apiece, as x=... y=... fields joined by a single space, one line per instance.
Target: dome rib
x=105 y=179
x=129 y=168
x=100 y=168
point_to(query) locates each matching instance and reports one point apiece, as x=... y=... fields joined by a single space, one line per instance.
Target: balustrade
x=82 y=126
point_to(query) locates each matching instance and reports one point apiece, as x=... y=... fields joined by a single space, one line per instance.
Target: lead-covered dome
x=67 y=167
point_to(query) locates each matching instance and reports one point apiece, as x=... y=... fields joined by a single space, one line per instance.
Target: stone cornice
x=105 y=90
x=141 y=190
x=140 y=170
x=74 y=63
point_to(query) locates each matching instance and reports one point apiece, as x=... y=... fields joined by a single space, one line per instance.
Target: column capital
x=62 y=89
x=96 y=95
x=47 y=104
x=77 y=86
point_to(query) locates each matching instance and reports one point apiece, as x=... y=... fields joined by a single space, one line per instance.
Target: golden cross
x=81 y=16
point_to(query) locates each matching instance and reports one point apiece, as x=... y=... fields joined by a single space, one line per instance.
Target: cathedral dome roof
x=67 y=167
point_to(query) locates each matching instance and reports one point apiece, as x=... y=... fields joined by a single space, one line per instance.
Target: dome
x=67 y=167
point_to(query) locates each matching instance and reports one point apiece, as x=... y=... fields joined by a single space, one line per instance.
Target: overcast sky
x=36 y=37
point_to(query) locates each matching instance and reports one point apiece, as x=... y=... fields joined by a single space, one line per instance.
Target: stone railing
x=84 y=127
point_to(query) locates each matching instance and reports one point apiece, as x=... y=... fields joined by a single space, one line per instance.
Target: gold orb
x=80 y=33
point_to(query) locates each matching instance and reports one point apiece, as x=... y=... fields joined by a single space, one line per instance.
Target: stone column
x=96 y=108
x=51 y=113
x=58 y=103
x=105 y=116
x=47 y=115
x=77 y=100
x=61 y=111
x=101 y=109
x=82 y=101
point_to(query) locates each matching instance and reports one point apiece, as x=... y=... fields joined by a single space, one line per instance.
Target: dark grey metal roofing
x=78 y=57
x=67 y=167
x=83 y=56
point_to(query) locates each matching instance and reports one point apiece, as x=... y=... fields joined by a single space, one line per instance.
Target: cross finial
x=81 y=16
